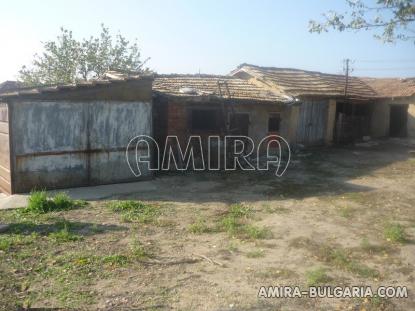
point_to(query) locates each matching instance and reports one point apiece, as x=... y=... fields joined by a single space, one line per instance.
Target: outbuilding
x=72 y=135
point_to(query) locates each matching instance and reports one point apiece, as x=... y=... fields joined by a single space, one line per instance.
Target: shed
x=72 y=135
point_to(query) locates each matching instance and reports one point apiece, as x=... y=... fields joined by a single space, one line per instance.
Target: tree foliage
x=67 y=60
x=394 y=18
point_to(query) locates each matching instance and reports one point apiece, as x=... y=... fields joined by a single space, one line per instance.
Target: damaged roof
x=213 y=85
x=392 y=87
x=296 y=82
x=45 y=89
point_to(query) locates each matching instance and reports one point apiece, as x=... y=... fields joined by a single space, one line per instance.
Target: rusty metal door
x=312 y=122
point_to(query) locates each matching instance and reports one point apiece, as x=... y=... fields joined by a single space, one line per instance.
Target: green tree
x=392 y=17
x=67 y=60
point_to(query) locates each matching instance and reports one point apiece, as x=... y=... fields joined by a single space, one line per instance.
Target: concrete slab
x=13 y=201
x=84 y=193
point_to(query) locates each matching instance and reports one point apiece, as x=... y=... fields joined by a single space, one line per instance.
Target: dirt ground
x=327 y=221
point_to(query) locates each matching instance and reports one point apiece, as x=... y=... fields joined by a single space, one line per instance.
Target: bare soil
x=328 y=212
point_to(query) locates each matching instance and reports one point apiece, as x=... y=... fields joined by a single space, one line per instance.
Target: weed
x=256 y=254
x=317 y=276
x=138 y=251
x=64 y=235
x=135 y=211
x=336 y=257
x=5 y=244
x=394 y=233
x=234 y=223
x=115 y=260
x=239 y=211
x=199 y=227
x=40 y=203
x=254 y=232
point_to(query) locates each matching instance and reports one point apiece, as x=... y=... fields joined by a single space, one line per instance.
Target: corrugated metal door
x=312 y=123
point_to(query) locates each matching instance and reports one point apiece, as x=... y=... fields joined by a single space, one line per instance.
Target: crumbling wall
x=5 y=177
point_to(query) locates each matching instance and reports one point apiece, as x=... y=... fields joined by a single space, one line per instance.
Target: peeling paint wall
x=60 y=144
x=5 y=178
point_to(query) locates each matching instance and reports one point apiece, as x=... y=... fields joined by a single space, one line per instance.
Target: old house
x=77 y=135
x=339 y=109
x=395 y=106
x=186 y=105
x=72 y=135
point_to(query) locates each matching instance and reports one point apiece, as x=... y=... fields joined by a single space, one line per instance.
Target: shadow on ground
x=311 y=173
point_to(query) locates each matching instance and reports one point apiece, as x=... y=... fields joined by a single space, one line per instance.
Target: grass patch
x=235 y=224
x=199 y=227
x=135 y=211
x=256 y=254
x=65 y=235
x=115 y=260
x=394 y=233
x=336 y=257
x=40 y=203
x=317 y=276
x=138 y=251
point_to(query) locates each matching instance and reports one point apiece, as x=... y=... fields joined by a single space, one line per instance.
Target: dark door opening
x=398 y=120
x=352 y=121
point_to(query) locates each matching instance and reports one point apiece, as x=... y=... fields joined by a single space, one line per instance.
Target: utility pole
x=346 y=69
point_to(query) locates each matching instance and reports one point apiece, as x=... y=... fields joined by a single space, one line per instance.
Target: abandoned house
x=77 y=135
x=339 y=109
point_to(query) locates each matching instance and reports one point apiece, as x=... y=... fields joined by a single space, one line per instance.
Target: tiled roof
x=295 y=82
x=212 y=85
x=392 y=87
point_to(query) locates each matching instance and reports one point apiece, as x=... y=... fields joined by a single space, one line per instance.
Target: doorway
x=398 y=120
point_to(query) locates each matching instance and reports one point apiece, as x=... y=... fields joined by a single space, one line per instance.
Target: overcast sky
x=207 y=36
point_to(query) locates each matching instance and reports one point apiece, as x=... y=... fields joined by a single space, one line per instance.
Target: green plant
x=199 y=227
x=317 y=276
x=5 y=244
x=119 y=260
x=394 y=233
x=40 y=203
x=239 y=210
x=135 y=211
x=138 y=251
x=254 y=232
x=64 y=235
x=255 y=254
